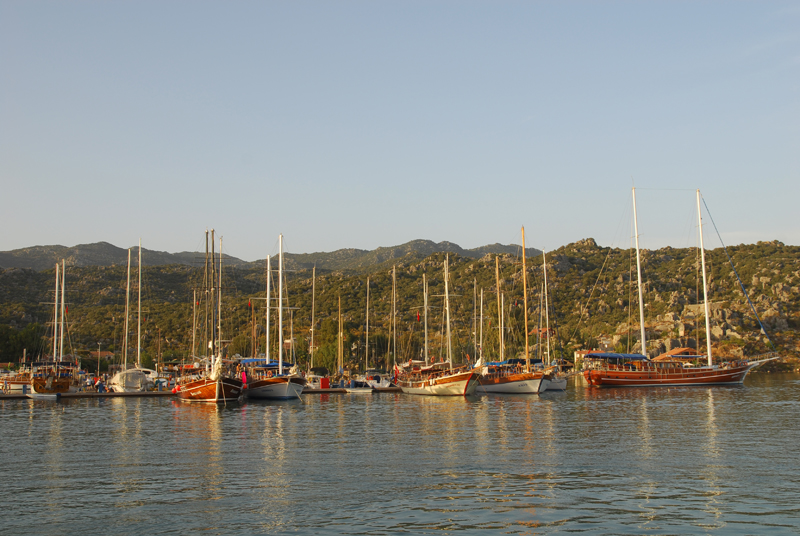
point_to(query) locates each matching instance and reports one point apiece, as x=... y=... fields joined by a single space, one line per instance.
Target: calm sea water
x=718 y=460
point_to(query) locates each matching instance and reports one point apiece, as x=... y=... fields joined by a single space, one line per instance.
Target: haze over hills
x=41 y=258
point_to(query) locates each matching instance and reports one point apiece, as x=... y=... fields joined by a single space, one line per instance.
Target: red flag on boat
x=417 y=316
x=250 y=305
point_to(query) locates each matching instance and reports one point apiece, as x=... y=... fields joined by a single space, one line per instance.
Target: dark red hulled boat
x=222 y=391
x=635 y=370
x=214 y=385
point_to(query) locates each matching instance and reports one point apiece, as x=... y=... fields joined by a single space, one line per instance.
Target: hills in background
x=41 y=258
x=593 y=301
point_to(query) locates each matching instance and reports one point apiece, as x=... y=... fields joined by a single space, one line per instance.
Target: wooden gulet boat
x=48 y=380
x=637 y=370
x=214 y=385
x=634 y=370
x=439 y=379
x=505 y=379
x=265 y=382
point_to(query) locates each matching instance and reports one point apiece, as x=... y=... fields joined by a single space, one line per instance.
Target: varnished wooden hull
x=223 y=391
x=459 y=384
x=276 y=388
x=648 y=376
x=516 y=383
x=50 y=386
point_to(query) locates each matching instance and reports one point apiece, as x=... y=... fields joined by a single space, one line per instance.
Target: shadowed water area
x=682 y=460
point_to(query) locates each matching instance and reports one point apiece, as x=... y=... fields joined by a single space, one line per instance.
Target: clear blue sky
x=364 y=124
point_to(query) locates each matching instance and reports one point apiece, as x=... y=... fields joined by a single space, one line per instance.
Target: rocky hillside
x=591 y=292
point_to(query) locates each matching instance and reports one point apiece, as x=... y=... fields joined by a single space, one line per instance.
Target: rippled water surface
x=696 y=460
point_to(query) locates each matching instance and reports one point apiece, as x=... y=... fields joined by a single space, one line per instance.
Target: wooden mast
x=525 y=303
x=194 y=323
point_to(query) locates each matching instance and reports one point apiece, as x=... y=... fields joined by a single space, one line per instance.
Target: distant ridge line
x=40 y=258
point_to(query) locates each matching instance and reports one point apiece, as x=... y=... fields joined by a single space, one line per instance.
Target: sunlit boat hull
x=16 y=384
x=222 y=391
x=50 y=386
x=517 y=383
x=647 y=376
x=460 y=384
x=276 y=388
x=555 y=384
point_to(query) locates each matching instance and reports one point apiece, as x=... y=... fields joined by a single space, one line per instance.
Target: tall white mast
x=546 y=307
x=63 y=305
x=639 y=274
x=219 y=303
x=425 y=307
x=705 y=290
x=480 y=348
x=55 y=315
x=447 y=308
x=139 y=315
x=313 y=307
x=269 y=278
x=213 y=296
x=366 y=338
x=340 y=346
x=394 y=314
x=127 y=314
x=475 y=315
x=280 y=305
x=525 y=303
x=499 y=305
